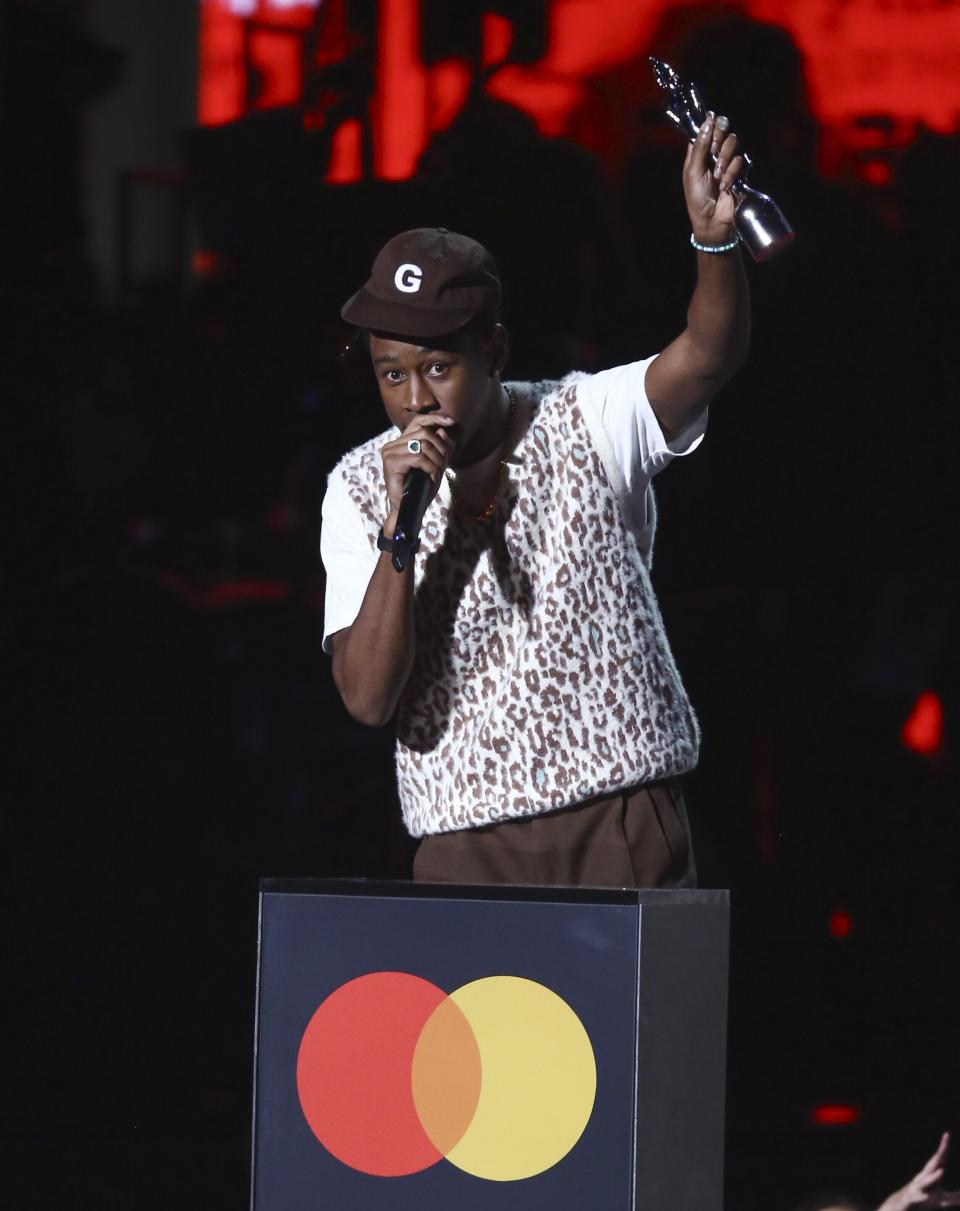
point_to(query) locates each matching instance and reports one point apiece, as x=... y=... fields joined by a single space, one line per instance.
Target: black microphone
x=417 y=488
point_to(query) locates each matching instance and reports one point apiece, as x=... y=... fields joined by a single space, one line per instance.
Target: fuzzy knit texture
x=543 y=675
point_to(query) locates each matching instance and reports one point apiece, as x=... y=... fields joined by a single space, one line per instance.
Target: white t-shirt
x=619 y=400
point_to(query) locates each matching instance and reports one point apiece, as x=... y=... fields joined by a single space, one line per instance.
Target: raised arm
x=925 y=1189
x=683 y=379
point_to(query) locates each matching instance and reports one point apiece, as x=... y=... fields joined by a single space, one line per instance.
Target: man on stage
x=542 y=725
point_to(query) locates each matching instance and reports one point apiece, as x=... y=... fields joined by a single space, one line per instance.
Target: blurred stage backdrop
x=196 y=188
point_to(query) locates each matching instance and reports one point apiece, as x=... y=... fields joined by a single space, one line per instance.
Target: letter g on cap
x=408 y=278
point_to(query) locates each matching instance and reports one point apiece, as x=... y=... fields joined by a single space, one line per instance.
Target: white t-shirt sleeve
x=347 y=556
x=639 y=447
x=631 y=442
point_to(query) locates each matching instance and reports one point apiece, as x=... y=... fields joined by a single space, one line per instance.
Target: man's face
x=454 y=379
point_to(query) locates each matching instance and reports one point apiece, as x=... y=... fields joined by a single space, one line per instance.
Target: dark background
x=175 y=399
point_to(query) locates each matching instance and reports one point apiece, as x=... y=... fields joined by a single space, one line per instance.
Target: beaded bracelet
x=714 y=248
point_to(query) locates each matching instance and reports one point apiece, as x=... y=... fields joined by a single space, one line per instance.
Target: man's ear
x=499 y=347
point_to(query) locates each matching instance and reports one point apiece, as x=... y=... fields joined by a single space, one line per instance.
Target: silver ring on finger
x=414 y=446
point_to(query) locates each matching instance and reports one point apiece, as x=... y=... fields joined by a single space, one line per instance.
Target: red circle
x=354 y=1073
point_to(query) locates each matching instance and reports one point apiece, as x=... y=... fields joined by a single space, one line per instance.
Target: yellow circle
x=539 y=1079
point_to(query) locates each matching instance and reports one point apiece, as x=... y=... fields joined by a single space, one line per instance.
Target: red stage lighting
x=922 y=731
x=840 y=924
x=895 y=63
x=835 y=1114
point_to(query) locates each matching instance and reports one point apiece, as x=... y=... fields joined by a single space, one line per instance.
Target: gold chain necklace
x=487 y=511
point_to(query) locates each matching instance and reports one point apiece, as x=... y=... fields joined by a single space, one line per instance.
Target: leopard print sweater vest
x=542 y=675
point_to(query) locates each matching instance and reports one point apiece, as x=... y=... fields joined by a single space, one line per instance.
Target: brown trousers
x=637 y=838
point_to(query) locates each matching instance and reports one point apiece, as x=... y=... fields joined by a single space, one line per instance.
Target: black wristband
x=386 y=544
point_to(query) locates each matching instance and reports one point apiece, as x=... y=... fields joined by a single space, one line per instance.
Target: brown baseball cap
x=426 y=282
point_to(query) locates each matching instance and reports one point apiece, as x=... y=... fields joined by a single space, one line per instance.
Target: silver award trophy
x=761 y=225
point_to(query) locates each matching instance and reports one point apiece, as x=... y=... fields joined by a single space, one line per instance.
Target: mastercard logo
x=498 y=1077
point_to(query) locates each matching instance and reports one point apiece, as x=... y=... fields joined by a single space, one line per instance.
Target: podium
x=426 y=1046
